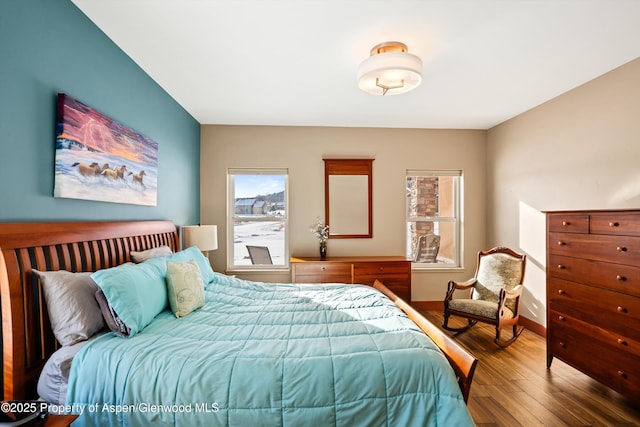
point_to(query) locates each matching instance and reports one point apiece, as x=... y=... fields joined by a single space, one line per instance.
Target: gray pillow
x=53 y=380
x=73 y=310
x=112 y=319
x=142 y=256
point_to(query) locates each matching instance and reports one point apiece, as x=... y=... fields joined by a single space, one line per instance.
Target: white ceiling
x=294 y=62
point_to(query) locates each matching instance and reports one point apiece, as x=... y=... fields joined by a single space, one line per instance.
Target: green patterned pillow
x=185 y=287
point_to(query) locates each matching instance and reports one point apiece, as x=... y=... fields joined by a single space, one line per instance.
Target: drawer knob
x=561 y=291
x=562 y=318
x=381 y=268
x=614 y=224
x=622 y=342
x=621 y=278
x=560 y=243
x=562 y=344
x=560 y=266
x=621 y=309
x=566 y=223
x=323 y=268
x=621 y=249
x=623 y=374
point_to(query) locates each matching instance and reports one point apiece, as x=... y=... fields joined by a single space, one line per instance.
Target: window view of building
x=258 y=219
x=433 y=223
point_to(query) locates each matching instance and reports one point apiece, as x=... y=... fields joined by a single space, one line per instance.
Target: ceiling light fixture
x=390 y=70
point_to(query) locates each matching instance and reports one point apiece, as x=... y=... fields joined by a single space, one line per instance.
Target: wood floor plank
x=513 y=387
x=528 y=412
x=490 y=412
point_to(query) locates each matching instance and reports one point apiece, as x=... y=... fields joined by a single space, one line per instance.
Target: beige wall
x=580 y=150
x=301 y=149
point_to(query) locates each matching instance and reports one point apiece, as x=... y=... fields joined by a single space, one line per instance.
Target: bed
x=319 y=381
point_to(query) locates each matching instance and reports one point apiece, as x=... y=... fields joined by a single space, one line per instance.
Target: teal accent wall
x=50 y=46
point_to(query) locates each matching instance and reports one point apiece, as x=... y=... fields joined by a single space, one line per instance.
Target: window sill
x=443 y=269
x=258 y=270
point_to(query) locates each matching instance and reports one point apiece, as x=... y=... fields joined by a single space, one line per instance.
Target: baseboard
x=428 y=305
x=529 y=324
x=534 y=327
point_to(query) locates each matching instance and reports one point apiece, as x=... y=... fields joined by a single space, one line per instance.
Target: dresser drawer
x=393 y=271
x=379 y=270
x=401 y=289
x=319 y=272
x=592 y=317
x=568 y=223
x=616 y=277
x=395 y=275
x=622 y=224
x=618 y=370
x=615 y=341
x=616 y=249
x=610 y=306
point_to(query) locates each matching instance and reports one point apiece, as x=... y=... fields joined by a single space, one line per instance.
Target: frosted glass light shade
x=205 y=237
x=390 y=72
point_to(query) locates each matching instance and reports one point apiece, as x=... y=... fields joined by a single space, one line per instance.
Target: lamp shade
x=205 y=237
x=390 y=70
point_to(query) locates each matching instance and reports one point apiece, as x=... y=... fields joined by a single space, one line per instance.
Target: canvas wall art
x=99 y=158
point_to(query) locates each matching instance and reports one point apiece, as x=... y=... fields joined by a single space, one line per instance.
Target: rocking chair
x=494 y=296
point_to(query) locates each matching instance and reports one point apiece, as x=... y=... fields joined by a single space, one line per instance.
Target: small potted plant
x=321 y=231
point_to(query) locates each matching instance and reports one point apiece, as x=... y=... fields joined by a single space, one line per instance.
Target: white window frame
x=232 y=218
x=456 y=219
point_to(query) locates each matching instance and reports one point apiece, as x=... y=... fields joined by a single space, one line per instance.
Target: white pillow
x=142 y=256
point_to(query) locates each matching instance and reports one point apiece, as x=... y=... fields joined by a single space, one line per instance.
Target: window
x=433 y=218
x=258 y=219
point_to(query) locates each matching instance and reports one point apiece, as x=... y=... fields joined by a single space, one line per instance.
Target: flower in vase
x=320 y=230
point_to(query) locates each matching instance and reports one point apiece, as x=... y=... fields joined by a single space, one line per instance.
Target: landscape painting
x=99 y=158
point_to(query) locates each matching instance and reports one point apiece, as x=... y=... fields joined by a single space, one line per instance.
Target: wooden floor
x=513 y=387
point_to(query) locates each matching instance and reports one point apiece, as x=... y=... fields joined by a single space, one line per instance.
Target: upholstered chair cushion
x=482 y=308
x=497 y=271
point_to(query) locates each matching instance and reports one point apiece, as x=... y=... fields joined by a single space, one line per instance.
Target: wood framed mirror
x=348 y=192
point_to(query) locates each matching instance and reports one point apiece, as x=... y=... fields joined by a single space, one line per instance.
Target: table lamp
x=205 y=237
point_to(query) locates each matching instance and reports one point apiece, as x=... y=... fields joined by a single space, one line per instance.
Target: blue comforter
x=270 y=355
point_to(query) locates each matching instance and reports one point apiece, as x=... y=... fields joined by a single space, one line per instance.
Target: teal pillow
x=192 y=253
x=136 y=292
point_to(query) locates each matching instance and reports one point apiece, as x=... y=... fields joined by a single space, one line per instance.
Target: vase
x=323 y=251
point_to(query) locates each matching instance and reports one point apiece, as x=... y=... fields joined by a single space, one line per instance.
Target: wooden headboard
x=27 y=339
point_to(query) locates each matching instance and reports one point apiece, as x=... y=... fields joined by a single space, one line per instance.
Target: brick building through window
x=433 y=209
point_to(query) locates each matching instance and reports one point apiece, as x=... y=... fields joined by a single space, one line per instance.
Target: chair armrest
x=462 y=285
x=453 y=286
x=515 y=292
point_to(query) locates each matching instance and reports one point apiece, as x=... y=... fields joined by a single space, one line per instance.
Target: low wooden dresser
x=593 y=295
x=393 y=271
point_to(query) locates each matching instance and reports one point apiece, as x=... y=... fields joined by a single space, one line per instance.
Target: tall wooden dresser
x=393 y=271
x=593 y=295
